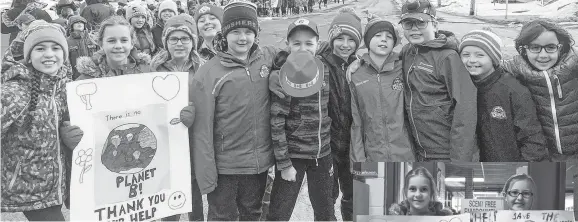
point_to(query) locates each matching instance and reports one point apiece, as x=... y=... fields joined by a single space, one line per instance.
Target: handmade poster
x=535 y=216
x=483 y=216
x=478 y=205
x=133 y=162
x=391 y=218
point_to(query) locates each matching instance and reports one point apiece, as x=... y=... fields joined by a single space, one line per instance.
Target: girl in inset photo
x=420 y=193
x=519 y=192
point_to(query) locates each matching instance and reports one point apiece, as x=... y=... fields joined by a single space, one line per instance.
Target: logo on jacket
x=264 y=71
x=397 y=84
x=498 y=112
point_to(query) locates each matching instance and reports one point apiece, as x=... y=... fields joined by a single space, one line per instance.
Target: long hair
x=519 y=177
x=534 y=29
x=435 y=207
x=113 y=21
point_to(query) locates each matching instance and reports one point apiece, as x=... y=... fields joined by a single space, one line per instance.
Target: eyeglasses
x=408 y=25
x=174 y=40
x=515 y=193
x=550 y=48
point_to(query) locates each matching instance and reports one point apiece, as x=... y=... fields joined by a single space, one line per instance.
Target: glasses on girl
x=550 y=48
x=515 y=193
x=408 y=24
x=174 y=40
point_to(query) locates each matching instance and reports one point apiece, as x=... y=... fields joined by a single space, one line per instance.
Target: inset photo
x=488 y=192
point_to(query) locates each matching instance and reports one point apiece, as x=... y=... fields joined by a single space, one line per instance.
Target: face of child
x=240 y=41
x=477 y=61
x=167 y=14
x=543 y=60
x=208 y=25
x=116 y=43
x=381 y=44
x=421 y=34
x=519 y=196
x=47 y=57
x=138 y=21
x=179 y=44
x=303 y=40
x=344 y=46
x=79 y=26
x=419 y=194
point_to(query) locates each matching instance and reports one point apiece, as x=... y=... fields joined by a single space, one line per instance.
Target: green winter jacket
x=33 y=168
x=232 y=129
x=379 y=131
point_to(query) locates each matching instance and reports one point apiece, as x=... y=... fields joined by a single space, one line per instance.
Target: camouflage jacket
x=33 y=166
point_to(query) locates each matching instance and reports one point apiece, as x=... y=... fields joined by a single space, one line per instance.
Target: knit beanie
x=74 y=19
x=209 y=9
x=42 y=31
x=134 y=10
x=487 y=41
x=168 y=5
x=346 y=22
x=240 y=15
x=378 y=25
x=182 y=22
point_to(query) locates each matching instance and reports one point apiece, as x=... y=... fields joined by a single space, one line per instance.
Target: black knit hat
x=378 y=25
x=240 y=15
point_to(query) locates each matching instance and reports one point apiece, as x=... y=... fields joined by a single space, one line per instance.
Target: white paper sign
x=484 y=216
x=535 y=216
x=133 y=162
x=391 y=218
x=477 y=205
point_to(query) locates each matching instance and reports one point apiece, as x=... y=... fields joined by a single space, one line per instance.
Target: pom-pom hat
x=487 y=41
x=301 y=75
x=41 y=31
x=346 y=22
x=134 y=10
x=168 y=5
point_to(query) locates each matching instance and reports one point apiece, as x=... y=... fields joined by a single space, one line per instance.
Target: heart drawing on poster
x=167 y=87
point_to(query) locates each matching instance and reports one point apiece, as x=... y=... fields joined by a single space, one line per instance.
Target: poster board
x=478 y=205
x=133 y=162
x=391 y=218
x=535 y=216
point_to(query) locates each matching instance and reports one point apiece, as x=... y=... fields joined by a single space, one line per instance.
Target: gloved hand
x=188 y=115
x=280 y=59
x=70 y=135
x=289 y=174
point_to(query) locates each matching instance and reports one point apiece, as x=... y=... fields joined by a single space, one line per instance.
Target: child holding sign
x=519 y=192
x=420 y=192
x=33 y=126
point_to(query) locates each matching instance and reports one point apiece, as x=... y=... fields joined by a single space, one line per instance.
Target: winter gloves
x=188 y=115
x=70 y=135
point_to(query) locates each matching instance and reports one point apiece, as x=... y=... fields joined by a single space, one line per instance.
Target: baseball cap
x=303 y=22
x=302 y=74
x=418 y=9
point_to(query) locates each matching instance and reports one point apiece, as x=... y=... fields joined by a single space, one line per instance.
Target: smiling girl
x=33 y=126
x=548 y=66
x=138 y=16
x=420 y=193
x=208 y=18
x=519 y=192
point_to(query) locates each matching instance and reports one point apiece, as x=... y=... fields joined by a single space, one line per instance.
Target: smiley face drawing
x=177 y=200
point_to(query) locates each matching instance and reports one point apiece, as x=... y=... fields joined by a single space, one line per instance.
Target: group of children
x=420 y=195
x=254 y=107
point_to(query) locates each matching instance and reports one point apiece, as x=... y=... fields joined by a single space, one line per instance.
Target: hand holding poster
x=391 y=218
x=132 y=163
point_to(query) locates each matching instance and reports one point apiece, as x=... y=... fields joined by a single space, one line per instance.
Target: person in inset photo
x=519 y=192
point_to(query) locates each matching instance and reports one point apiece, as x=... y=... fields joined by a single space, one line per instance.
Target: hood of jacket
x=443 y=40
x=388 y=65
x=229 y=60
x=163 y=57
x=97 y=63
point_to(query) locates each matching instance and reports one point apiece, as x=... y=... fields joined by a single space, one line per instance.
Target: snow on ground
x=555 y=9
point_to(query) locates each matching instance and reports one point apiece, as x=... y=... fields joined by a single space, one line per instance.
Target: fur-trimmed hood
x=96 y=66
x=163 y=56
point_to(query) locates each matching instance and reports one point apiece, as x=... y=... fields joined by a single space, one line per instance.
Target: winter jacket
x=403 y=209
x=300 y=127
x=555 y=92
x=157 y=33
x=379 y=131
x=232 y=129
x=96 y=67
x=80 y=44
x=9 y=25
x=508 y=129
x=205 y=52
x=440 y=100
x=95 y=12
x=339 y=100
x=145 y=42
x=33 y=168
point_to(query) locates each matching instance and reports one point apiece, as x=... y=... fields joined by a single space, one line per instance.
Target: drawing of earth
x=129 y=148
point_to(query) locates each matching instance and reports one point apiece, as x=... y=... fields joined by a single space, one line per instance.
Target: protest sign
x=535 y=216
x=483 y=216
x=133 y=162
x=477 y=205
x=391 y=218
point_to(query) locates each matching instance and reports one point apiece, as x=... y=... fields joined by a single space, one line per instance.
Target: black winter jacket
x=508 y=128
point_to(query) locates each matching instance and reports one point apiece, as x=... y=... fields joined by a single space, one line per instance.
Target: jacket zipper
x=254 y=119
x=559 y=86
x=15 y=175
x=57 y=145
x=381 y=108
x=411 y=103
x=319 y=130
x=554 y=115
